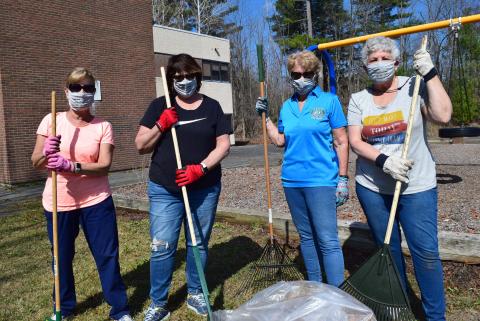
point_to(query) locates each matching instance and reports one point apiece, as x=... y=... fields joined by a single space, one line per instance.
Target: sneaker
x=156 y=313
x=126 y=317
x=53 y=317
x=197 y=303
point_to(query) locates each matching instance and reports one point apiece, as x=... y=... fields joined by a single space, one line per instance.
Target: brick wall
x=40 y=43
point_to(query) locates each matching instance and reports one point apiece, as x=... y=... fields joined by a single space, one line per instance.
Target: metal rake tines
x=382 y=311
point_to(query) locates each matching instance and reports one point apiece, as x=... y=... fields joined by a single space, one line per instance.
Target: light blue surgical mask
x=381 y=71
x=80 y=100
x=303 y=86
x=185 y=88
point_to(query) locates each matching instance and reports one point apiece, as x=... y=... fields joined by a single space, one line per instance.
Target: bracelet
x=343 y=176
x=380 y=160
x=432 y=73
x=267 y=120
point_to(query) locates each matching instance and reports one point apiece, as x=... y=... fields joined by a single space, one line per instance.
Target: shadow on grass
x=225 y=260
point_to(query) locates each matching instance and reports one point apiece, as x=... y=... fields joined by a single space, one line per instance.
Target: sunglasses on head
x=298 y=75
x=181 y=77
x=75 y=88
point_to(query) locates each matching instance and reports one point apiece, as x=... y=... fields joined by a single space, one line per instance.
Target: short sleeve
x=354 y=113
x=281 y=128
x=337 y=118
x=223 y=126
x=153 y=112
x=107 y=135
x=44 y=128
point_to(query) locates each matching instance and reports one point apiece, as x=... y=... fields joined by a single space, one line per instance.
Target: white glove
x=422 y=62
x=397 y=168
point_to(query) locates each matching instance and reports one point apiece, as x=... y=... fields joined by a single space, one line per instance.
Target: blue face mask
x=303 y=86
x=381 y=71
x=185 y=88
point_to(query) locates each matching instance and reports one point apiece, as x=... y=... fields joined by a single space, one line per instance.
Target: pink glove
x=57 y=163
x=51 y=145
x=188 y=174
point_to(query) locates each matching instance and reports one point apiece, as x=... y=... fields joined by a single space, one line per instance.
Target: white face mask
x=185 y=88
x=303 y=86
x=79 y=100
x=381 y=71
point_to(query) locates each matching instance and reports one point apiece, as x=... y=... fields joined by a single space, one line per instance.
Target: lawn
x=26 y=280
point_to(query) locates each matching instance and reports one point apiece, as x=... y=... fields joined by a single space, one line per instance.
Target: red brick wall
x=40 y=43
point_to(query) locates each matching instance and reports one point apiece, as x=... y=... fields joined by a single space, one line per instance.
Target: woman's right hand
x=51 y=145
x=398 y=168
x=167 y=119
x=261 y=106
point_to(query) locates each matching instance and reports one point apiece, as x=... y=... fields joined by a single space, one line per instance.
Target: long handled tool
x=196 y=252
x=274 y=264
x=58 y=313
x=377 y=282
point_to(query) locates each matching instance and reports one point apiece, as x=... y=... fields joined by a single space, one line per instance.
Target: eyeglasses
x=298 y=75
x=181 y=77
x=89 y=88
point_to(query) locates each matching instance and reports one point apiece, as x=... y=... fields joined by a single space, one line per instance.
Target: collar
x=316 y=91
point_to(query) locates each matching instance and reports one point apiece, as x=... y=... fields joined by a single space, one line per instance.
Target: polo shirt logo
x=317 y=113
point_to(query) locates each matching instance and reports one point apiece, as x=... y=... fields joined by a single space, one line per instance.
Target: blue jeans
x=417 y=214
x=167 y=213
x=99 y=225
x=314 y=214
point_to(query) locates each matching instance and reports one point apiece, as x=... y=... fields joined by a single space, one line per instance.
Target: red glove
x=189 y=174
x=167 y=119
x=58 y=163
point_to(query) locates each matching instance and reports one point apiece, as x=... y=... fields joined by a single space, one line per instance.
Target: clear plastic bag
x=299 y=301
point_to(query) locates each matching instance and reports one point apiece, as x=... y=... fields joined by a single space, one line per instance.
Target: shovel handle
x=406 y=144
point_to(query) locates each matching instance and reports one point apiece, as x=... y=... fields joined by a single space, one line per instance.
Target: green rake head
x=377 y=285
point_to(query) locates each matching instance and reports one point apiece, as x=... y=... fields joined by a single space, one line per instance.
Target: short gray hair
x=380 y=44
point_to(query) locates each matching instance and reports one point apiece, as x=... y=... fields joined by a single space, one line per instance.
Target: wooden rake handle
x=261 y=79
x=406 y=144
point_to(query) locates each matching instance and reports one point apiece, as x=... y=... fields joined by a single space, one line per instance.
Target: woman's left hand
x=188 y=174
x=58 y=163
x=342 y=191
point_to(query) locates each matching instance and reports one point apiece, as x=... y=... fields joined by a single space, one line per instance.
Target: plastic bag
x=299 y=301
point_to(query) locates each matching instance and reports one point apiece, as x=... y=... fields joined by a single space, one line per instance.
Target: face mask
x=303 y=86
x=381 y=71
x=185 y=88
x=79 y=100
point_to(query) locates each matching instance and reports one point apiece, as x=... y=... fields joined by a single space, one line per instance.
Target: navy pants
x=99 y=225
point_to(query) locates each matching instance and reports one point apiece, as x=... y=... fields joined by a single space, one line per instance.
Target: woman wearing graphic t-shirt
x=377 y=119
x=81 y=154
x=311 y=127
x=203 y=138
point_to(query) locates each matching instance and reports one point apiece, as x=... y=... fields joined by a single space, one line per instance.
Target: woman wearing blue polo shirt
x=311 y=127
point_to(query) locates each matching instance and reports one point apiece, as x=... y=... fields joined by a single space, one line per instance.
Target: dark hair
x=182 y=63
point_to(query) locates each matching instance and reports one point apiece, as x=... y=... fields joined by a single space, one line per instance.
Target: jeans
x=417 y=215
x=314 y=214
x=99 y=224
x=167 y=213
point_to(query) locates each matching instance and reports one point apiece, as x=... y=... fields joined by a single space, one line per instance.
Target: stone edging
x=458 y=247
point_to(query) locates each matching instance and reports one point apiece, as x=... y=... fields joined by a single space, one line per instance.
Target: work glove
x=51 y=145
x=422 y=62
x=342 y=191
x=398 y=168
x=261 y=106
x=58 y=163
x=188 y=174
x=167 y=119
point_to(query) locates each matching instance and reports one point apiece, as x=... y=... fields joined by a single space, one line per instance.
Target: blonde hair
x=306 y=59
x=78 y=74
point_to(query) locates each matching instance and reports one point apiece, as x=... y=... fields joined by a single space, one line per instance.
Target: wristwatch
x=204 y=168
x=77 y=168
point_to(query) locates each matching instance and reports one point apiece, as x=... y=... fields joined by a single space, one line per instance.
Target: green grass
x=26 y=279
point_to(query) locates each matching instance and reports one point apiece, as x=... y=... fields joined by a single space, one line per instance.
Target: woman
x=311 y=126
x=377 y=119
x=203 y=141
x=81 y=154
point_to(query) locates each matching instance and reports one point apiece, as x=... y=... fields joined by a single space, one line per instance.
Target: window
x=215 y=71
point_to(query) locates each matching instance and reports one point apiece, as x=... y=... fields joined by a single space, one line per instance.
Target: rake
x=377 y=282
x=274 y=264
x=196 y=252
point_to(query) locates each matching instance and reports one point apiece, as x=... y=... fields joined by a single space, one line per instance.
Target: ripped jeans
x=167 y=213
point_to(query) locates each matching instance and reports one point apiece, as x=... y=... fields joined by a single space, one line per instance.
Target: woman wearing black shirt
x=203 y=142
